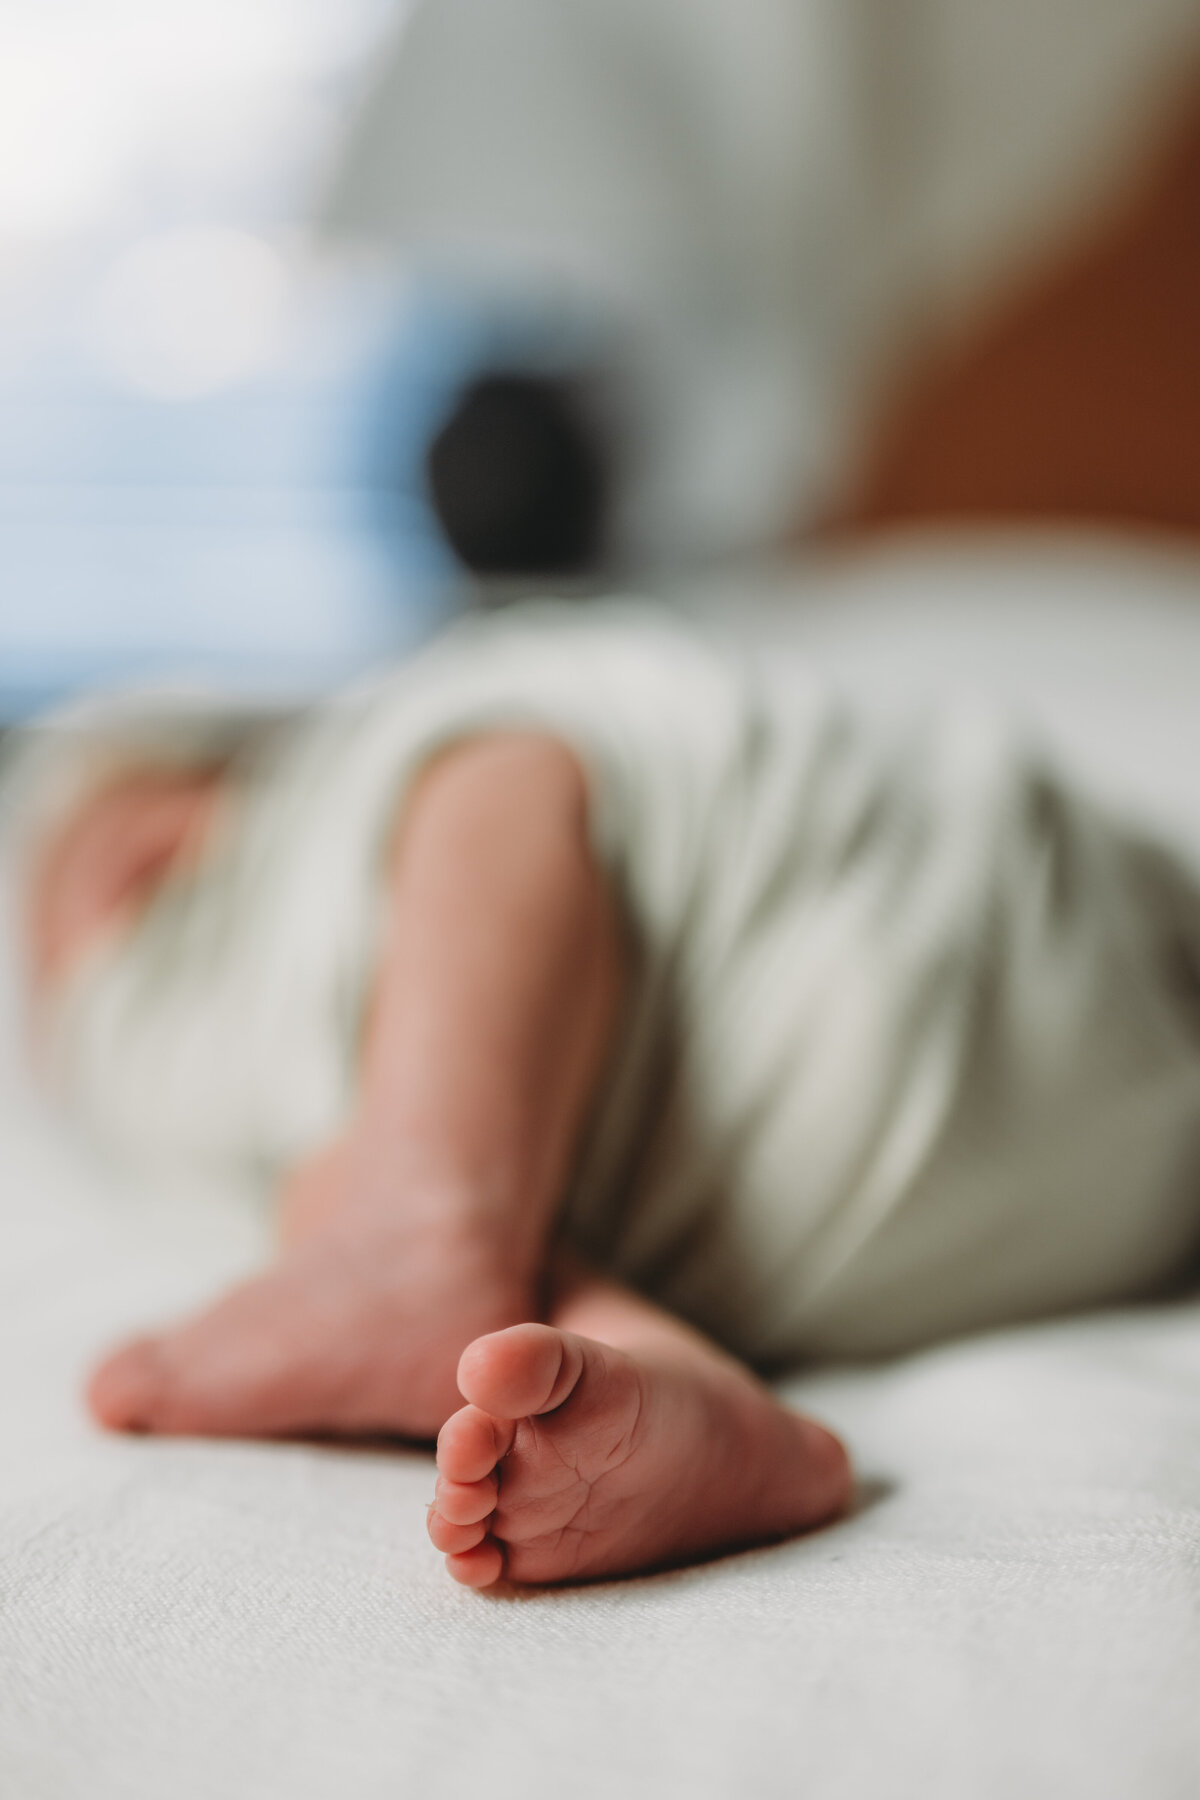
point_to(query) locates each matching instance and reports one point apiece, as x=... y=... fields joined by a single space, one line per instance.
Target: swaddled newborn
x=608 y=1008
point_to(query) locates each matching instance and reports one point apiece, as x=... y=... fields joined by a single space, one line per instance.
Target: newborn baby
x=616 y=1018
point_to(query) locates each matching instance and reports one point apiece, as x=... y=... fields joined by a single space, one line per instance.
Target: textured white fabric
x=1014 y=1609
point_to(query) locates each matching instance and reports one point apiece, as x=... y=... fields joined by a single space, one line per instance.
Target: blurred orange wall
x=1079 y=398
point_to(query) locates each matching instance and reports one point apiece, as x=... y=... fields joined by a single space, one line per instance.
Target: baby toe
x=477 y=1568
x=452 y=1540
x=125 y=1391
x=465 y=1502
x=523 y=1370
x=471 y=1443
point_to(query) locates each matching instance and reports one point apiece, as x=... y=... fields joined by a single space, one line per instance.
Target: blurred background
x=188 y=392
x=319 y=321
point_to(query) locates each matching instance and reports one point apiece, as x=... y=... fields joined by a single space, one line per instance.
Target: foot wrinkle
x=627 y=1444
x=567 y=1454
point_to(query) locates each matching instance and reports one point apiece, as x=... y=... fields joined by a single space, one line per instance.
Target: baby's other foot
x=574 y=1460
x=355 y=1331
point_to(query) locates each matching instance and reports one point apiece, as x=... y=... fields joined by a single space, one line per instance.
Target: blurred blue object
x=209 y=440
x=273 y=534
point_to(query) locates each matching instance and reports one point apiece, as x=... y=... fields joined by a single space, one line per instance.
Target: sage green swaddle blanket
x=911 y=1044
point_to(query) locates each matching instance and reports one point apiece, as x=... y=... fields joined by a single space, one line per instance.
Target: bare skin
x=615 y=1440
x=425 y=1225
x=98 y=869
x=416 y=1248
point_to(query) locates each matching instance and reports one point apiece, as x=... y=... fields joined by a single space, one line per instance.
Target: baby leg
x=425 y=1226
x=616 y=1440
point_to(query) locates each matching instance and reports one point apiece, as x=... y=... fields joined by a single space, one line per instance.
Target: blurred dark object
x=1079 y=400
x=519 y=478
x=655 y=201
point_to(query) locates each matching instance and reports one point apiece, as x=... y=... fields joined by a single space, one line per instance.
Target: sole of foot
x=573 y=1461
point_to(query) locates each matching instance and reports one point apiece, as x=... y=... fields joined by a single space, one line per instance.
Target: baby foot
x=355 y=1331
x=575 y=1460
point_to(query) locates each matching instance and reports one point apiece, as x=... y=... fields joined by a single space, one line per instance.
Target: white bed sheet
x=1013 y=1609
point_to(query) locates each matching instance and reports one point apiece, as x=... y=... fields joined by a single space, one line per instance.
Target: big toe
x=201 y=1381
x=125 y=1390
x=524 y=1370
